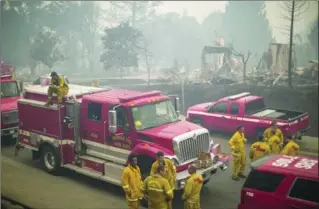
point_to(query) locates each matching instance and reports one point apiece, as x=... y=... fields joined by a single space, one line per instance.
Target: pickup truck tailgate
x=298 y=126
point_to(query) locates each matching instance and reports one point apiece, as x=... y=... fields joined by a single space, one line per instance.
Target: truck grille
x=10 y=117
x=190 y=147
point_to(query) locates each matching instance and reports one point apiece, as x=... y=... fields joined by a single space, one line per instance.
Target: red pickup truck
x=245 y=109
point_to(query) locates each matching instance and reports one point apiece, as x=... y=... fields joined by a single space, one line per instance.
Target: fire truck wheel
x=50 y=160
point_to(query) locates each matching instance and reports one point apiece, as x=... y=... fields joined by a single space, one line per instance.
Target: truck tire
x=197 y=121
x=50 y=160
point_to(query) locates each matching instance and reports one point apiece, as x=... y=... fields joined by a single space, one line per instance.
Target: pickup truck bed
x=278 y=114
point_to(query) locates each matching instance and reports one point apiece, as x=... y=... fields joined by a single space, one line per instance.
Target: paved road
x=73 y=190
x=23 y=179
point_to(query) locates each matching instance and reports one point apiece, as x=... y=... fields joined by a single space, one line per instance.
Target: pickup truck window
x=220 y=107
x=234 y=109
x=263 y=181
x=305 y=189
x=94 y=111
x=254 y=106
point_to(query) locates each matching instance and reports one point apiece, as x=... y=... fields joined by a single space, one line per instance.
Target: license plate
x=15 y=135
x=12 y=131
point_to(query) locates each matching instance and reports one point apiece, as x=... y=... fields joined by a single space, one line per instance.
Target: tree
x=313 y=37
x=246 y=26
x=16 y=29
x=121 y=47
x=212 y=25
x=45 y=49
x=294 y=11
x=135 y=12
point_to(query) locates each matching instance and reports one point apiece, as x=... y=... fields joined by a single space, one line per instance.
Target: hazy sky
x=201 y=9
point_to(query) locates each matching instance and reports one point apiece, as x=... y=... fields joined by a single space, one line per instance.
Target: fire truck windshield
x=154 y=114
x=9 y=89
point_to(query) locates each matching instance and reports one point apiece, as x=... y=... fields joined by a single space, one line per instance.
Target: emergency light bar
x=237 y=96
x=139 y=96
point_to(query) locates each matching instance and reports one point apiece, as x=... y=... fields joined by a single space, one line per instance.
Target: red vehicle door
x=261 y=191
x=92 y=117
x=218 y=119
x=233 y=110
x=122 y=138
x=303 y=194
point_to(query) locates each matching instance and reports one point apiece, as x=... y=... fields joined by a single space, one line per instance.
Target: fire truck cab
x=96 y=129
x=10 y=93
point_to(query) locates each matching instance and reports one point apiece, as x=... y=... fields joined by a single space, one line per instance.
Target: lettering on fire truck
x=122 y=141
x=304 y=163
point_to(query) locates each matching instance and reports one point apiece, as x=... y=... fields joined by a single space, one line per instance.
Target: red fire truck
x=96 y=129
x=10 y=93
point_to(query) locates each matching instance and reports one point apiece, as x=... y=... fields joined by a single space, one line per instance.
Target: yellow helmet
x=138 y=124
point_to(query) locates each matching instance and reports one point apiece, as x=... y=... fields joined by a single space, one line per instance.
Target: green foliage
x=121 y=47
x=135 y=12
x=16 y=29
x=44 y=49
x=246 y=26
x=313 y=37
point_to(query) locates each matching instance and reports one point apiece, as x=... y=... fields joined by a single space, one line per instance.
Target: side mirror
x=112 y=121
x=177 y=105
x=67 y=120
x=20 y=86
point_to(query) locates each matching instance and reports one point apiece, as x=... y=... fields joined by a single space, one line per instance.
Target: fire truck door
x=93 y=127
x=122 y=137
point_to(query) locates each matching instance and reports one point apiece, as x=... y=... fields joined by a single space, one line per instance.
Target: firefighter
x=237 y=145
x=57 y=86
x=95 y=83
x=158 y=189
x=291 y=148
x=278 y=132
x=258 y=149
x=192 y=189
x=274 y=143
x=132 y=183
x=170 y=170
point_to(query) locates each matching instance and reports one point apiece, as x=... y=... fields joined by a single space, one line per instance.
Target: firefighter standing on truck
x=132 y=183
x=158 y=190
x=192 y=189
x=57 y=86
x=170 y=170
x=291 y=148
x=237 y=145
x=275 y=143
x=268 y=132
x=258 y=149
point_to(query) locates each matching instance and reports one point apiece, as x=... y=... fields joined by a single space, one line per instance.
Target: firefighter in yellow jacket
x=158 y=190
x=170 y=170
x=273 y=128
x=132 y=183
x=258 y=149
x=275 y=143
x=291 y=148
x=192 y=189
x=57 y=86
x=237 y=145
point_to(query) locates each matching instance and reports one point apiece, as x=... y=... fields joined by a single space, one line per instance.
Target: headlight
x=176 y=148
x=173 y=160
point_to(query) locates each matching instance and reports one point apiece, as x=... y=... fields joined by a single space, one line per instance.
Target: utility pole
x=290 y=44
